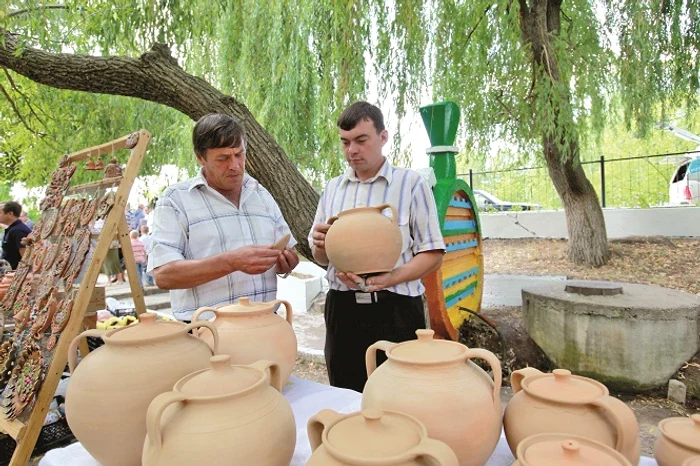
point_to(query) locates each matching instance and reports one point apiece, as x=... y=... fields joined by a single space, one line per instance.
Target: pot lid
x=427 y=350
x=375 y=434
x=221 y=379
x=147 y=329
x=566 y=450
x=683 y=430
x=244 y=306
x=563 y=387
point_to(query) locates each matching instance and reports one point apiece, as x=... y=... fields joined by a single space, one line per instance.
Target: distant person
x=12 y=247
x=146 y=239
x=139 y=254
x=25 y=219
x=139 y=214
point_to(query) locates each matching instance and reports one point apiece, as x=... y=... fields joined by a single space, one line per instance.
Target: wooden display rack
x=26 y=433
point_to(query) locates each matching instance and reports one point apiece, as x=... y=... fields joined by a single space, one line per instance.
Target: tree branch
x=43 y=7
x=478 y=22
x=14 y=107
x=24 y=97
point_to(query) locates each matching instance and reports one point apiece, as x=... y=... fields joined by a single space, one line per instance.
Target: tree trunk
x=588 y=241
x=156 y=77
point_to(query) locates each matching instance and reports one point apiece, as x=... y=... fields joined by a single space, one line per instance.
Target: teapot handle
x=318 y=423
x=275 y=376
x=73 y=348
x=516 y=378
x=331 y=220
x=155 y=413
x=436 y=452
x=622 y=418
x=204 y=323
x=394 y=214
x=199 y=312
x=495 y=364
x=288 y=309
x=371 y=354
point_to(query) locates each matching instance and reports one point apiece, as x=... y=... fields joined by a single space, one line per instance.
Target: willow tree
x=528 y=72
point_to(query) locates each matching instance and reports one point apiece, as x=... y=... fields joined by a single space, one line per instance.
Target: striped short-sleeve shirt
x=408 y=193
x=193 y=221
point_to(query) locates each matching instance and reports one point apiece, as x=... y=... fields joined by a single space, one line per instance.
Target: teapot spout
x=516 y=378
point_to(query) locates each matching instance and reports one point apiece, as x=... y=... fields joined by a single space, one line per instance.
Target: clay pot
x=222 y=416
x=435 y=382
x=694 y=461
x=566 y=450
x=5 y=284
x=110 y=390
x=561 y=403
x=373 y=438
x=679 y=440
x=249 y=332
x=364 y=241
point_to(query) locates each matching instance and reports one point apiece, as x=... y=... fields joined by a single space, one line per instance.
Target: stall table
x=306 y=399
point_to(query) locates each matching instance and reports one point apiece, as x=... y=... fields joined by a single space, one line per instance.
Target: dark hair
x=359 y=111
x=12 y=206
x=217 y=130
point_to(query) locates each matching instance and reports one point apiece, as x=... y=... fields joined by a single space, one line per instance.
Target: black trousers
x=352 y=327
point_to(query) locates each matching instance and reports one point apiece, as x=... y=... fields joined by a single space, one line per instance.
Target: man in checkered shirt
x=213 y=234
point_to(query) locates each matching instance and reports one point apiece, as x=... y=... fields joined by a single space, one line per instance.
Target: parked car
x=487 y=201
x=685 y=183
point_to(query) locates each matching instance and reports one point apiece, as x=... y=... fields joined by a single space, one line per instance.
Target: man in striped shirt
x=390 y=308
x=213 y=235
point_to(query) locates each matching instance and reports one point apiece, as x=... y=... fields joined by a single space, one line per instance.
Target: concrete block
x=676 y=391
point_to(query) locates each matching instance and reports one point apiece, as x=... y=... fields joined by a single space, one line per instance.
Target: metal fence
x=641 y=181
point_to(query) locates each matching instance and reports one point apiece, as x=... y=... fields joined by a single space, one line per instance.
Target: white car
x=684 y=188
x=487 y=201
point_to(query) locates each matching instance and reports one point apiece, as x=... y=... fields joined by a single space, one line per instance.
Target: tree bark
x=588 y=241
x=156 y=77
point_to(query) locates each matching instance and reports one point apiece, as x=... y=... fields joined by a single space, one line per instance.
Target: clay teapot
x=375 y=438
x=562 y=403
x=252 y=331
x=364 y=241
x=679 y=440
x=432 y=380
x=111 y=388
x=221 y=416
x=566 y=450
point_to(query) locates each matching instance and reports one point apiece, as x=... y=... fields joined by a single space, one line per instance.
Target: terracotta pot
x=364 y=241
x=694 y=461
x=373 y=438
x=566 y=450
x=5 y=284
x=249 y=332
x=679 y=440
x=111 y=388
x=435 y=382
x=222 y=416
x=561 y=403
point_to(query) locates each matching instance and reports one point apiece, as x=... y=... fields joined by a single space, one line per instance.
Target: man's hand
x=286 y=261
x=319 y=236
x=253 y=259
x=375 y=283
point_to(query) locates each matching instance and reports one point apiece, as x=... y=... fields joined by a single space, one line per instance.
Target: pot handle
x=275 y=376
x=394 y=214
x=516 y=377
x=371 y=354
x=288 y=309
x=155 y=413
x=318 y=423
x=436 y=452
x=331 y=220
x=73 y=348
x=495 y=364
x=207 y=324
x=199 y=312
x=622 y=417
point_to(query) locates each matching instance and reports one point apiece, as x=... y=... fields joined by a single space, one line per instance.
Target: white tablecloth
x=306 y=399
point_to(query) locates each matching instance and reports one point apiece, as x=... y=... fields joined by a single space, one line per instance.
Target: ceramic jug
x=566 y=450
x=226 y=415
x=679 y=440
x=111 y=388
x=364 y=241
x=562 y=403
x=375 y=438
x=250 y=331
x=436 y=382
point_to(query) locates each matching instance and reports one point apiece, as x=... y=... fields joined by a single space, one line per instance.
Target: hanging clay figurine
x=113 y=170
x=132 y=140
x=100 y=165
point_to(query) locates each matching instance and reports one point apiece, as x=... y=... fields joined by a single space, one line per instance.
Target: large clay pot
x=373 y=438
x=249 y=332
x=566 y=450
x=435 y=382
x=679 y=440
x=561 y=403
x=364 y=241
x=111 y=388
x=225 y=415
x=694 y=461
